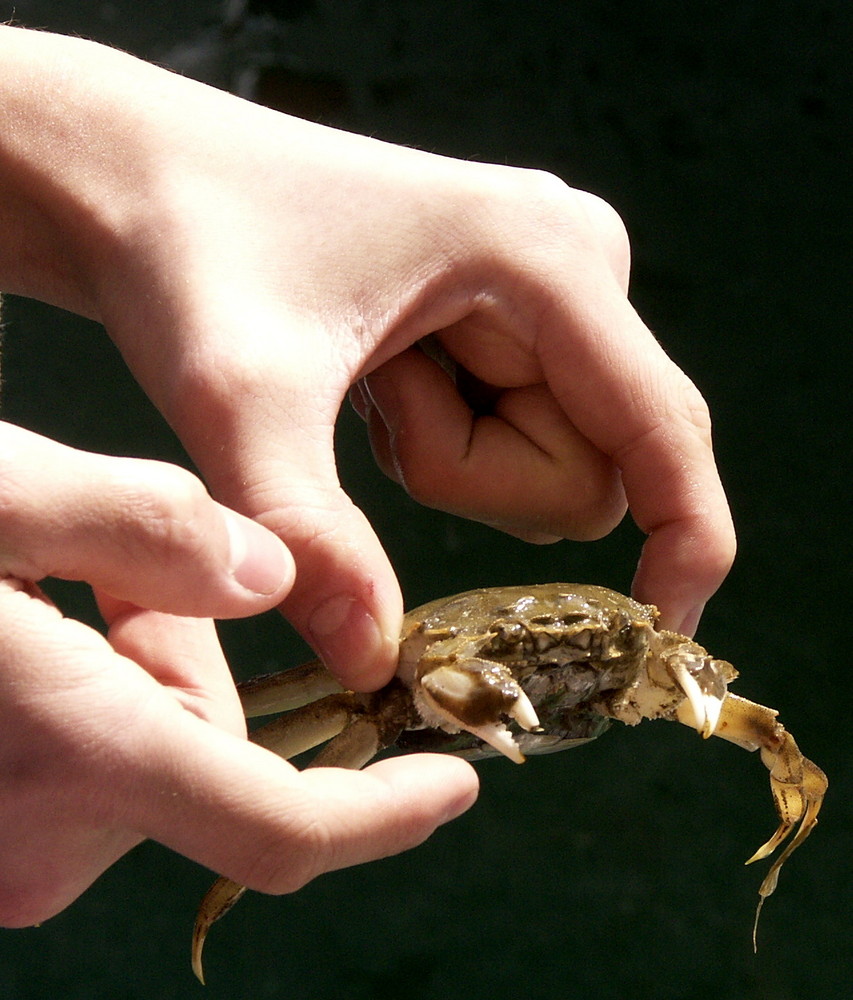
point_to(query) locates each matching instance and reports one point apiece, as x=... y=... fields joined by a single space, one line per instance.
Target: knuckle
x=586 y=212
x=168 y=503
x=551 y=217
x=14 y=492
x=718 y=553
x=290 y=860
x=603 y=511
x=425 y=484
x=667 y=403
x=422 y=467
x=542 y=187
x=605 y=221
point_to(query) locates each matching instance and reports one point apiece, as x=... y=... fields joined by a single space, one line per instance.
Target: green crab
x=526 y=670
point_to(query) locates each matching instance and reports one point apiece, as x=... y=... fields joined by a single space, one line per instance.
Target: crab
x=526 y=670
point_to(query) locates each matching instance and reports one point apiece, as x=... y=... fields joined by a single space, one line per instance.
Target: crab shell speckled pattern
x=581 y=654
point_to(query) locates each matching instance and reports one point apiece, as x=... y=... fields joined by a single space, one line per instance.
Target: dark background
x=720 y=131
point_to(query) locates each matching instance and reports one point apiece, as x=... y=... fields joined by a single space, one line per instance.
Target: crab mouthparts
x=474 y=695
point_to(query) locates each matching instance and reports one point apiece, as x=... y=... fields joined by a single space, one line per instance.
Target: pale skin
x=254 y=269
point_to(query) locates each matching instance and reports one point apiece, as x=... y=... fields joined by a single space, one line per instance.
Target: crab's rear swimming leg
x=798 y=786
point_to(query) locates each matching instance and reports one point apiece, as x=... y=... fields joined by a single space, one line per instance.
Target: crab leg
x=218 y=900
x=353 y=747
x=306 y=727
x=798 y=785
x=269 y=694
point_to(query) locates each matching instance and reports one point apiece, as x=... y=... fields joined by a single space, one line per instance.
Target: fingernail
x=260 y=561
x=359 y=399
x=350 y=642
x=382 y=393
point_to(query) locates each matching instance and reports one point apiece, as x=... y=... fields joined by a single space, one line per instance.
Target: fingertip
x=680 y=570
x=464 y=787
x=358 y=646
x=442 y=786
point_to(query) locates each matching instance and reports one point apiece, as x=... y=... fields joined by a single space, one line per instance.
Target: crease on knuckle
x=289 y=859
x=677 y=414
x=170 y=506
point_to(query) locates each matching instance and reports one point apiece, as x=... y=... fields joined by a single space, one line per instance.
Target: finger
x=248 y=815
x=106 y=755
x=275 y=461
x=68 y=712
x=522 y=467
x=144 y=532
x=346 y=600
x=615 y=384
x=627 y=397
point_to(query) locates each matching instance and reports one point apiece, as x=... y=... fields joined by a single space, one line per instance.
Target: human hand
x=110 y=739
x=276 y=264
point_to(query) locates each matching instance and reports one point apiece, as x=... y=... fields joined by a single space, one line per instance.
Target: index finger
x=625 y=394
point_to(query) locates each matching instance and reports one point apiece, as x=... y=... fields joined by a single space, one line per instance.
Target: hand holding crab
x=249 y=294
x=111 y=738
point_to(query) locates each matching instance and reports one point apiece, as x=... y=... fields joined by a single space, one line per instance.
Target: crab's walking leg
x=301 y=730
x=798 y=785
x=270 y=694
x=218 y=900
x=305 y=727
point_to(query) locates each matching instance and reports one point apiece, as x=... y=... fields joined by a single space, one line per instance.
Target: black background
x=720 y=131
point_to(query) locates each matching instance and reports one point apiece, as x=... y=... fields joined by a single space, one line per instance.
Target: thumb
x=141 y=531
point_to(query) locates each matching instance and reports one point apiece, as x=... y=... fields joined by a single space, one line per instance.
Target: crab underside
x=526 y=670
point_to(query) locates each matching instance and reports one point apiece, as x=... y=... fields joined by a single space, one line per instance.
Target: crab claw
x=472 y=694
x=704 y=686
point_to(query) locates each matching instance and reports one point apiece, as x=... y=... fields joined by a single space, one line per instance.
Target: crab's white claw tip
x=695 y=697
x=713 y=708
x=524 y=713
x=473 y=695
x=499 y=737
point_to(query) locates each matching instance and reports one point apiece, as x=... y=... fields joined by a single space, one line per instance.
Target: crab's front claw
x=473 y=694
x=703 y=681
